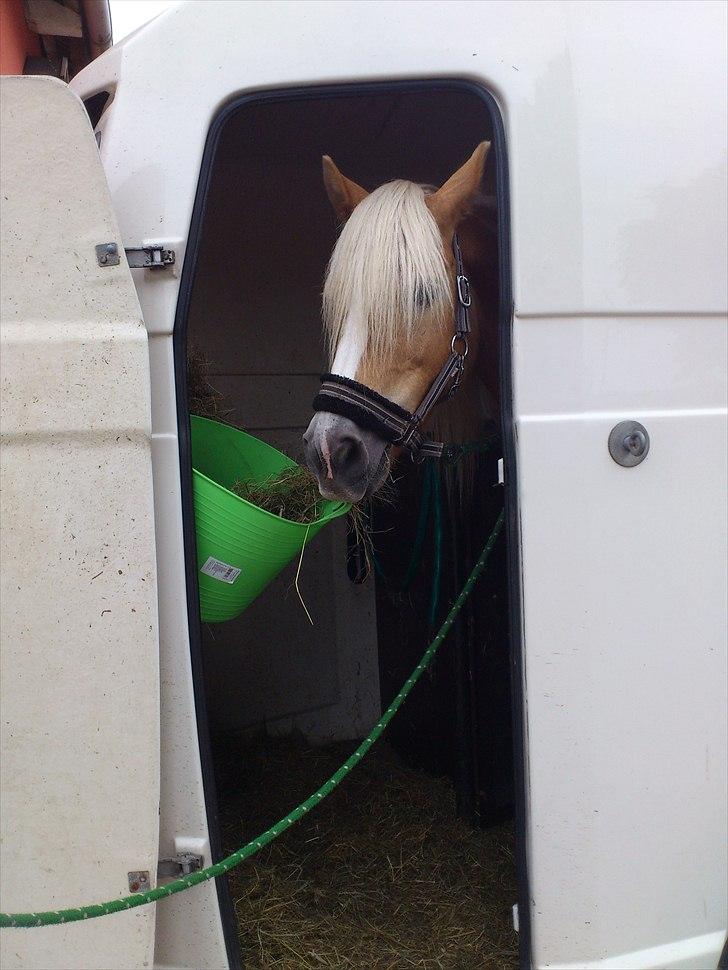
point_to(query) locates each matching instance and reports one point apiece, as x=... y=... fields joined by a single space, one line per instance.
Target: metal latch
x=150 y=257
x=180 y=865
x=628 y=443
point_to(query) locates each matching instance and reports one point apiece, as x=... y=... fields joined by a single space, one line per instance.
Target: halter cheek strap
x=369 y=409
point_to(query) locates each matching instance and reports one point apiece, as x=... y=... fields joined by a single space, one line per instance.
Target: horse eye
x=423 y=297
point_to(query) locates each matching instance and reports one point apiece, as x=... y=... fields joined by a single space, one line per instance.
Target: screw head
x=635 y=443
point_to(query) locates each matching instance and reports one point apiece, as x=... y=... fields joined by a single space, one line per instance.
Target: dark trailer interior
x=413 y=858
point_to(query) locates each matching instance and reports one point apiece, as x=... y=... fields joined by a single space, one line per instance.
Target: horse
x=393 y=315
x=389 y=300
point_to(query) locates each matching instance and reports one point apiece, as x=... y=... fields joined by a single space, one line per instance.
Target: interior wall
x=255 y=314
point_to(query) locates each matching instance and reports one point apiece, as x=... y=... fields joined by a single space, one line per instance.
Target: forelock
x=388 y=261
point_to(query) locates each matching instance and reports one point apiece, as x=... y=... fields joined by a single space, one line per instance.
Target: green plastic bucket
x=240 y=547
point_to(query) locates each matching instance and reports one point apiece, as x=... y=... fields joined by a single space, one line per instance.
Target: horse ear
x=453 y=200
x=343 y=194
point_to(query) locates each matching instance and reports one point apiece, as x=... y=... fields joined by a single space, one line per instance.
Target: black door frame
x=509 y=446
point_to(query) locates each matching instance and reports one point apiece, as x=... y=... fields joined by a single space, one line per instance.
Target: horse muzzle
x=350 y=463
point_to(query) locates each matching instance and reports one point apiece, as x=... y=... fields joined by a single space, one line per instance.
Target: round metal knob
x=628 y=443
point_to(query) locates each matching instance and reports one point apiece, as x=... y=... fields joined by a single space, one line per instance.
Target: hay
x=202 y=398
x=381 y=876
x=292 y=494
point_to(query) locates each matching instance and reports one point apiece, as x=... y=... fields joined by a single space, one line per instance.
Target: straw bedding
x=381 y=876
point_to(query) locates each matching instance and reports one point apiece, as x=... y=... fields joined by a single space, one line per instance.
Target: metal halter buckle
x=463 y=285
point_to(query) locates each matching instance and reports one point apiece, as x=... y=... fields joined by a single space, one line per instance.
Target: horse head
x=388 y=305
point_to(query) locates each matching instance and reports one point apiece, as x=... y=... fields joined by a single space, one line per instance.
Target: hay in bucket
x=291 y=494
x=381 y=876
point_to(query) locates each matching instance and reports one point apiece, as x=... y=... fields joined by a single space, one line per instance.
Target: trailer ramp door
x=80 y=696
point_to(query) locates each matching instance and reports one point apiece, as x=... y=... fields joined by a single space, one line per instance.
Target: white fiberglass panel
x=624 y=579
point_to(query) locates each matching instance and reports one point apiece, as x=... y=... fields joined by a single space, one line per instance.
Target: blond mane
x=388 y=262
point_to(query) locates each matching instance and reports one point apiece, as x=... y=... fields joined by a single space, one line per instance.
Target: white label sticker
x=220 y=570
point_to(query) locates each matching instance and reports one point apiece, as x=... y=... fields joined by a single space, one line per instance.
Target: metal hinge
x=150 y=257
x=180 y=865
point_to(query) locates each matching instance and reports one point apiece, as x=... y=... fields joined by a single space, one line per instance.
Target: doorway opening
x=420 y=852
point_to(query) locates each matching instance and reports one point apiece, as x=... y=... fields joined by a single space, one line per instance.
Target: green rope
x=28 y=920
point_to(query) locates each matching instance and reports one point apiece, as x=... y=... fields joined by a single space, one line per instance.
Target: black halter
x=368 y=409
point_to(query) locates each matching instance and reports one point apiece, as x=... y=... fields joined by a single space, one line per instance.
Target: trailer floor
x=381 y=876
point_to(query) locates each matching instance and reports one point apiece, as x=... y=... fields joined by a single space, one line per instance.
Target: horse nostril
x=338 y=455
x=346 y=453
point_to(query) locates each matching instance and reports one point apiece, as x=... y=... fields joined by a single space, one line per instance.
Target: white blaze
x=349 y=352
x=350 y=348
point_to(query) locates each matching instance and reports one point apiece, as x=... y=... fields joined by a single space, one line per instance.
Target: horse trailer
x=169 y=202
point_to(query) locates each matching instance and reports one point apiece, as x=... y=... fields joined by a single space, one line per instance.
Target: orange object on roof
x=17 y=41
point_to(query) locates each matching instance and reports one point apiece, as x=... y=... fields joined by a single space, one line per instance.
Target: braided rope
x=52 y=917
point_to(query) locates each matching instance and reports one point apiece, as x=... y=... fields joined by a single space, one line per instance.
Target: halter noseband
x=368 y=409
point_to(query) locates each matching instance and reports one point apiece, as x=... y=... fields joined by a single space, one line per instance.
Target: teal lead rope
x=28 y=920
x=431 y=503
x=437 y=559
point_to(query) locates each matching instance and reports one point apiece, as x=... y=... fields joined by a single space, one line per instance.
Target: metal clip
x=459 y=372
